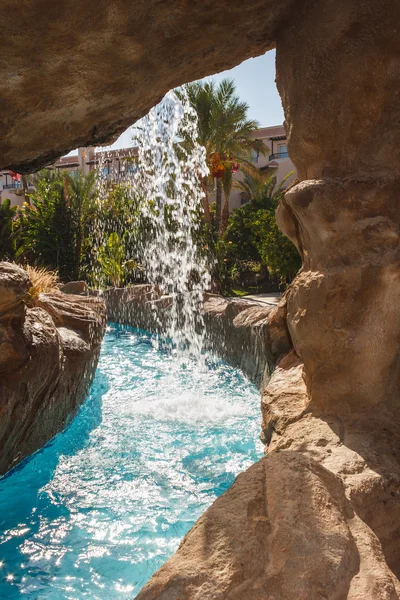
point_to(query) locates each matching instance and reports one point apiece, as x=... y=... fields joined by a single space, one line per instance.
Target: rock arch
x=319 y=516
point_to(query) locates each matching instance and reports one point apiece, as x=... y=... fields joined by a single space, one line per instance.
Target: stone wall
x=249 y=335
x=48 y=357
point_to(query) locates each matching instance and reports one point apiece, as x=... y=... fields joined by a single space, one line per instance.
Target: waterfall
x=165 y=176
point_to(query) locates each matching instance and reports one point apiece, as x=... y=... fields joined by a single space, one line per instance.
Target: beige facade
x=114 y=164
x=275 y=161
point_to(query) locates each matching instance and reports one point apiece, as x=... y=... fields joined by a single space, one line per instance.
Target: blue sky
x=255 y=84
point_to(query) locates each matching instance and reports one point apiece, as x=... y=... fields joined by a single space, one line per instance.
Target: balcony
x=278 y=155
x=13 y=186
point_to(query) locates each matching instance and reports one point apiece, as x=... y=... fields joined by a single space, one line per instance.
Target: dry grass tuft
x=43 y=281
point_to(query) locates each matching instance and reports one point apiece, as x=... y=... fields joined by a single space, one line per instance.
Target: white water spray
x=167 y=181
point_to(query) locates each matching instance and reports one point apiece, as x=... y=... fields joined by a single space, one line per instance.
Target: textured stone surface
x=284 y=530
x=326 y=499
x=48 y=356
x=79 y=75
x=75 y=287
x=249 y=335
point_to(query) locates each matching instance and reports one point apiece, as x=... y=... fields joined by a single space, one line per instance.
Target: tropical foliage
x=7 y=239
x=46 y=232
x=64 y=227
x=253 y=248
x=226 y=132
x=42 y=280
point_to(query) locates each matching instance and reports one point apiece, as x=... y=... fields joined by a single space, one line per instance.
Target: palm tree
x=227 y=135
x=81 y=192
x=260 y=188
x=51 y=224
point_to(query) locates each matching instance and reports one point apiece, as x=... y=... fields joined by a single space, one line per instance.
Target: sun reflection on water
x=98 y=510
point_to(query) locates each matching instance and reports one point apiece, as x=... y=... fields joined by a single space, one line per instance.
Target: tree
x=261 y=189
x=52 y=222
x=81 y=194
x=119 y=212
x=114 y=267
x=111 y=258
x=227 y=135
x=253 y=235
x=7 y=241
x=46 y=233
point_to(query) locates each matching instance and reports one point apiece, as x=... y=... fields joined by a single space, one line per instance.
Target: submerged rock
x=48 y=356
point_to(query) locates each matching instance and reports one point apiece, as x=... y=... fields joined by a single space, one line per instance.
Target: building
x=112 y=164
x=11 y=188
x=275 y=161
x=116 y=164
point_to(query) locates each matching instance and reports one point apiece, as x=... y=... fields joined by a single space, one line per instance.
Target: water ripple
x=101 y=507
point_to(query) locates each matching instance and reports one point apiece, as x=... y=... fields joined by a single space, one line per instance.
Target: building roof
x=67 y=161
x=272 y=133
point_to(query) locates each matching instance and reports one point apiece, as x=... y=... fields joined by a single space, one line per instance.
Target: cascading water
x=171 y=165
x=166 y=181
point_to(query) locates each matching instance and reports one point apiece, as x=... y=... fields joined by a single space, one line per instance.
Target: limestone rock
x=75 y=287
x=14 y=283
x=48 y=356
x=284 y=530
x=249 y=335
x=77 y=77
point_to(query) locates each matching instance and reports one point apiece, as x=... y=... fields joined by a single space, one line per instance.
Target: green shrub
x=7 y=238
x=253 y=243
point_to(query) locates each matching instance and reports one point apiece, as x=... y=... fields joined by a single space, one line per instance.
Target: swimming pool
x=106 y=502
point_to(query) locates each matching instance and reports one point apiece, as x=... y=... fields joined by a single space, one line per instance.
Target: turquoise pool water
x=103 y=505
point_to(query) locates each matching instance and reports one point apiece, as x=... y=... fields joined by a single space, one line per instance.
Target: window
x=11 y=183
x=282 y=149
x=255 y=155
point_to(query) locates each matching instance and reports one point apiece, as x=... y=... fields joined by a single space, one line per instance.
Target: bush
x=253 y=251
x=42 y=280
x=45 y=228
x=7 y=239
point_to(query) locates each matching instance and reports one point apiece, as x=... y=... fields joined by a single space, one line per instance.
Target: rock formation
x=250 y=335
x=80 y=76
x=319 y=516
x=48 y=356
